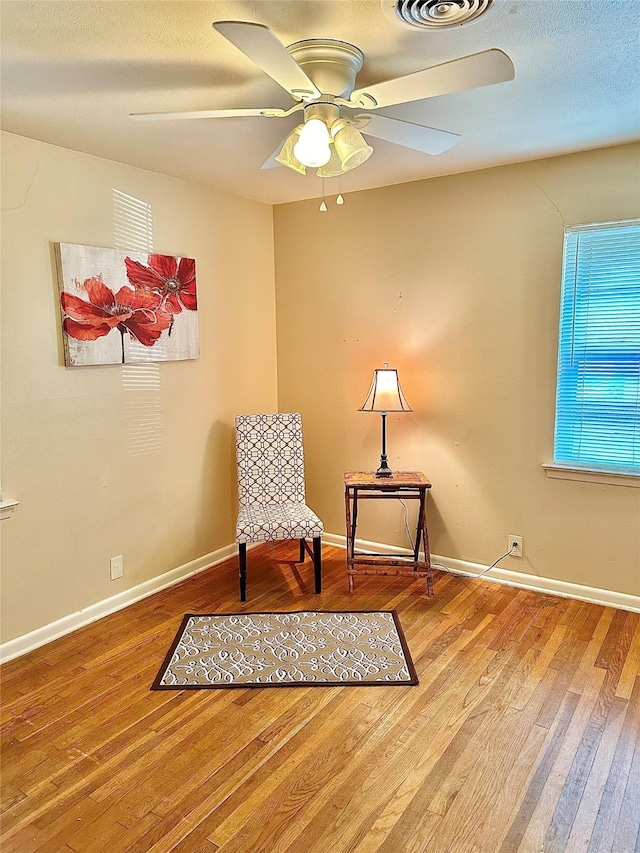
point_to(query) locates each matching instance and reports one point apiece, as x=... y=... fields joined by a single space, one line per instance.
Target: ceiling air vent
x=440 y=14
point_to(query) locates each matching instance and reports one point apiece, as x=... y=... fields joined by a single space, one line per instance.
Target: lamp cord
x=441 y=565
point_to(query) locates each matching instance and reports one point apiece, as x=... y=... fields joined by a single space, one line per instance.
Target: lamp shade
x=385 y=394
x=286 y=155
x=333 y=168
x=350 y=145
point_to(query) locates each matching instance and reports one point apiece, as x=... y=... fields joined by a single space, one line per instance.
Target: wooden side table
x=404 y=485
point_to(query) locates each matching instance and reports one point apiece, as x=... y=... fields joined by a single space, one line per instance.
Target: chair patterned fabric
x=271 y=490
x=277 y=521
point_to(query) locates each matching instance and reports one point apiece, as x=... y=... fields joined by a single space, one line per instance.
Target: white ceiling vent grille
x=440 y=14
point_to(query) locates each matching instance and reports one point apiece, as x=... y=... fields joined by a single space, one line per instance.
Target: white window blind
x=598 y=395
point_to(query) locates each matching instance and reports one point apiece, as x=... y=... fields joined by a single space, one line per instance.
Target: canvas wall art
x=126 y=307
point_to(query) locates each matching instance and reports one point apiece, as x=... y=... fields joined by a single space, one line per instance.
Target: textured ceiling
x=73 y=71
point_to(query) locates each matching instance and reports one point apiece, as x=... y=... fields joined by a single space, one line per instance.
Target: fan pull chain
x=323 y=205
x=339 y=199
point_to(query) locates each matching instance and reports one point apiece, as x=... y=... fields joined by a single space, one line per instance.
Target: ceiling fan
x=320 y=75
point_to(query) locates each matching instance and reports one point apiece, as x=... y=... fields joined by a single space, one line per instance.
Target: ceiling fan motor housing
x=438 y=14
x=331 y=64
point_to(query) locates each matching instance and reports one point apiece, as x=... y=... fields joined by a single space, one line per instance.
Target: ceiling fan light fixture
x=312 y=148
x=350 y=145
x=286 y=156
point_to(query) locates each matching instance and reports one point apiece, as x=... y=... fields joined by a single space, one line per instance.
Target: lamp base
x=384 y=470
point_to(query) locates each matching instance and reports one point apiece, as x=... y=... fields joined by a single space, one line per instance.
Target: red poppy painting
x=122 y=307
x=174 y=282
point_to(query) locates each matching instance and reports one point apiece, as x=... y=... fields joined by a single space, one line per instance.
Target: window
x=598 y=395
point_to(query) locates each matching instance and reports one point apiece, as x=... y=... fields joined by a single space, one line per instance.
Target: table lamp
x=385 y=395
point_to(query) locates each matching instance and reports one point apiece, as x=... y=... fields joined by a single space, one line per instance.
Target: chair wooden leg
x=242 y=560
x=317 y=562
x=302 y=551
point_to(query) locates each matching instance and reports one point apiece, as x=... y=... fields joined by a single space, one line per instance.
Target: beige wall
x=71 y=436
x=455 y=281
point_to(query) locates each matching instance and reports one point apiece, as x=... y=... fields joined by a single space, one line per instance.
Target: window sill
x=6 y=508
x=585 y=475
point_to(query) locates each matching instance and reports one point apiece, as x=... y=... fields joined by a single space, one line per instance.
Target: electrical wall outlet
x=517 y=543
x=117 y=567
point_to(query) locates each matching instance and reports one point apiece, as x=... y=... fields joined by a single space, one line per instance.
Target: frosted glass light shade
x=312 y=148
x=333 y=168
x=286 y=155
x=385 y=394
x=350 y=146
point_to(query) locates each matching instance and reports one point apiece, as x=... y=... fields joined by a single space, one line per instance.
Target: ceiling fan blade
x=271 y=162
x=469 y=72
x=269 y=113
x=263 y=47
x=429 y=140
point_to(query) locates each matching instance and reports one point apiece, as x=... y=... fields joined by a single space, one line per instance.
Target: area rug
x=317 y=648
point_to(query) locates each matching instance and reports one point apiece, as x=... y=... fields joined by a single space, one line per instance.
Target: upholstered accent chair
x=271 y=491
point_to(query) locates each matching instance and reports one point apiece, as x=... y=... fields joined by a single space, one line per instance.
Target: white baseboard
x=41 y=636
x=551 y=586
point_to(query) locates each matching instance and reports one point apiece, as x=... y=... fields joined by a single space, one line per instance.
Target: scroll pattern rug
x=299 y=649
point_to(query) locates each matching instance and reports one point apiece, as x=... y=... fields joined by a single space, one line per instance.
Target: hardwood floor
x=523 y=734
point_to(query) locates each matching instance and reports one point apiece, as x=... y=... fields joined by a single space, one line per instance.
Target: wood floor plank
x=351 y=791
x=621 y=627
x=592 y=651
x=538 y=832
x=574 y=786
x=596 y=780
x=631 y=668
x=367 y=787
x=216 y=802
x=509 y=793
x=479 y=768
x=521 y=736
x=409 y=813
x=561 y=826
x=548 y=754
x=628 y=828
x=300 y=795
x=613 y=805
